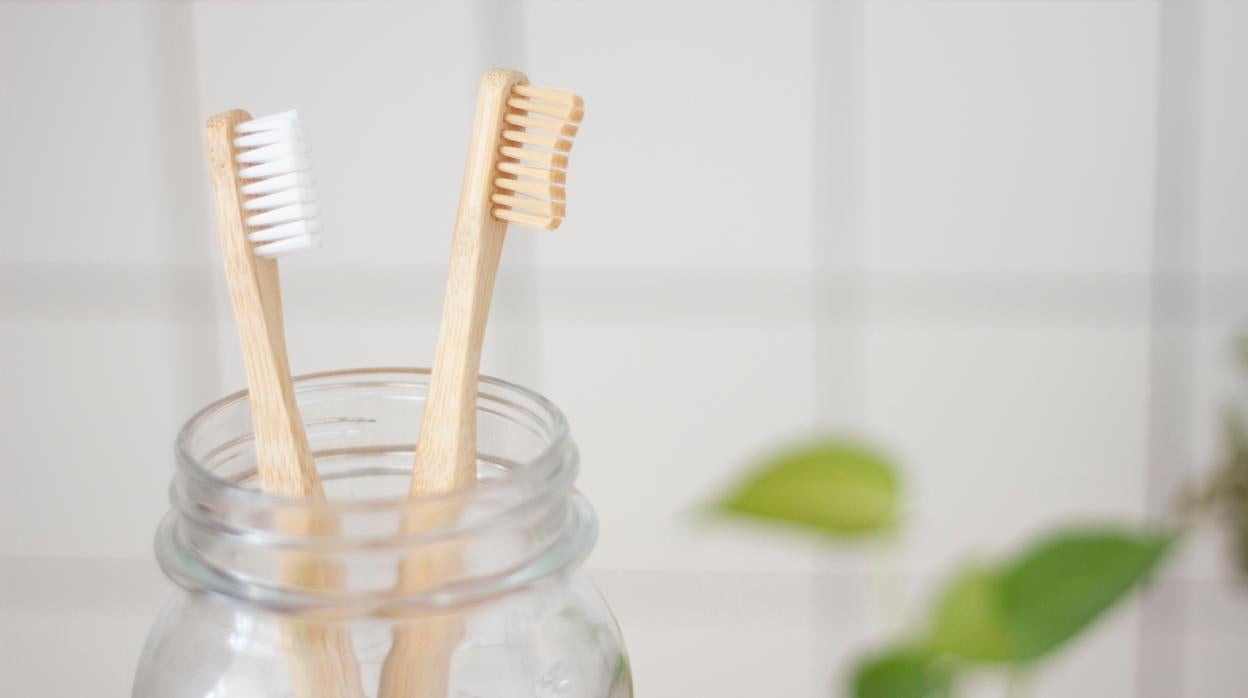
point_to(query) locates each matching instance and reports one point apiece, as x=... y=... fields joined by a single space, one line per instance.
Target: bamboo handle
x=283 y=458
x=321 y=657
x=446 y=452
x=418 y=664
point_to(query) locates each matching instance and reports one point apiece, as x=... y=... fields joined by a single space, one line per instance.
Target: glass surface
x=271 y=608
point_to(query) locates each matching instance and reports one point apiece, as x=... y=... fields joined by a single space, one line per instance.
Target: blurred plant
x=1013 y=614
x=1008 y=615
x=834 y=487
x=1225 y=494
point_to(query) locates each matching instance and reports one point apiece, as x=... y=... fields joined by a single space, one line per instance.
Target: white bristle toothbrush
x=515 y=174
x=261 y=178
x=265 y=208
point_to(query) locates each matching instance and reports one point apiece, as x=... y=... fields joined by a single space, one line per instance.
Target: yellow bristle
x=545 y=175
x=541 y=122
x=527 y=220
x=548 y=94
x=539 y=157
x=536 y=206
x=566 y=112
x=539 y=189
x=540 y=140
x=557 y=127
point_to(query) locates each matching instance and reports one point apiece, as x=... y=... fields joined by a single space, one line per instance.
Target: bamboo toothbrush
x=504 y=181
x=515 y=174
x=265 y=206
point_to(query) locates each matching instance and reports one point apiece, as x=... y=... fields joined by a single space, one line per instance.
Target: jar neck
x=368 y=549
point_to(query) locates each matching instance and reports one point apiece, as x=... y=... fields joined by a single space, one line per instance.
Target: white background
x=1007 y=239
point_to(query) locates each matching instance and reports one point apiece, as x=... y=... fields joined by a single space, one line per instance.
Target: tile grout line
x=837 y=182
x=841 y=299
x=516 y=314
x=1170 y=383
x=187 y=288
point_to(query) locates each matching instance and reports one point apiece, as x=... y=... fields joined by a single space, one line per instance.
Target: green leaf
x=969 y=620
x=1043 y=597
x=830 y=486
x=903 y=672
x=1058 y=587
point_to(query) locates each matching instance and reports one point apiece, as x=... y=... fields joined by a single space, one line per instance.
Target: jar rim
x=223 y=533
x=542 y=466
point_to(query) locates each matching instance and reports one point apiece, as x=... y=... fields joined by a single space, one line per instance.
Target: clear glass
x=506 y=613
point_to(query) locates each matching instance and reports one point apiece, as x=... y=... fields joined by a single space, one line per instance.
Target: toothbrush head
x=540 y=124
x=279 y=196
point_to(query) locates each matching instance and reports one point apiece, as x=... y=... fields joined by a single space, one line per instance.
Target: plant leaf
x=903 y=672
x=1044 y=596
x=1058 y=587
x=969 y=620
x=830 y=486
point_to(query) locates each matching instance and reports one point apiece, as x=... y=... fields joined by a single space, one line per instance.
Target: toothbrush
x=504 y=182
x=266 y=208
x=515 y=174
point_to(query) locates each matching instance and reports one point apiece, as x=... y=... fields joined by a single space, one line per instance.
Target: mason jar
x=507 y=614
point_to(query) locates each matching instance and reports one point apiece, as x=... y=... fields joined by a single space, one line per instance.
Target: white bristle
x=260 y=138
x=284 y=197
x=288 y=245
x=268 y=123
x=301 y=211
x=278 y=185
x=276 y=167
x=292 y=229
x=276 y=151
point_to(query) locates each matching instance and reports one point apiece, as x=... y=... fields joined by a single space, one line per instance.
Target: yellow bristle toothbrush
x=515 y=174
x=266 y=208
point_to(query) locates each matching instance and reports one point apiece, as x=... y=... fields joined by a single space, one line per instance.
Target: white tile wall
x=1223 y=143
x=706 y=634
x=936 y=223
x=1007 y=431
x=82 y=117
x=94 y=491
x=661 y=416
x=388 y=139
x=96 y=611
x=672 y=185
x=1218 y=612
x=1010 y=137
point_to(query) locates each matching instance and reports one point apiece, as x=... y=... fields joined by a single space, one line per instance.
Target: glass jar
x=507 y=613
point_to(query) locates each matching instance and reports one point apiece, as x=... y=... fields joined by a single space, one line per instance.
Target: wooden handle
x=283 y=458
x=446 y=452
x=320 y=655
x=418 y=664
